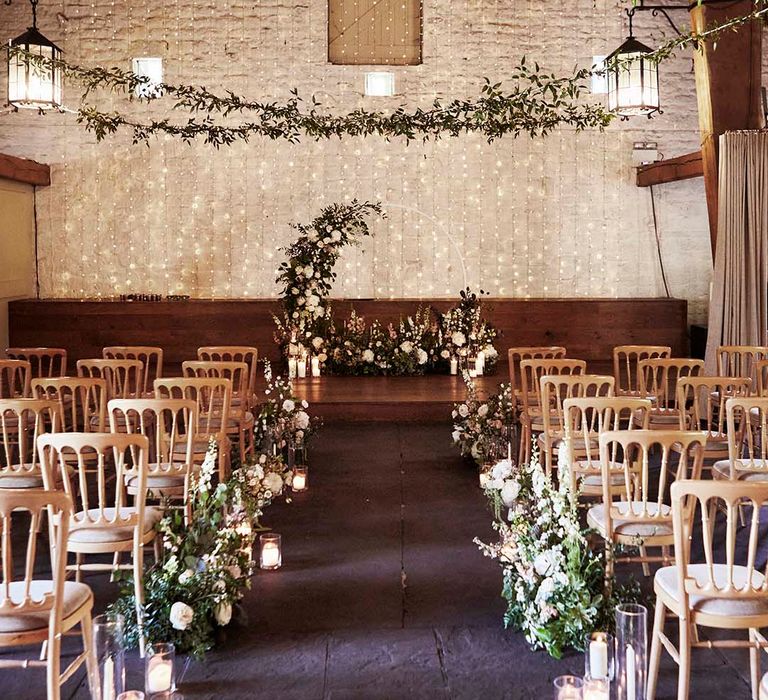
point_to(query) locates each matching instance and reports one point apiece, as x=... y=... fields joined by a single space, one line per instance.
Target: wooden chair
x=761 y=372
x=22 y=421
x=167 y=424
x=740 y=361
x=626 y=360
x=516 y=355
x=82 y=401
x=211 y=396
x=702 y=404
x=747 y=430
x=44 y=362
x=658 y=382
x=240 y=421
x=726 y=591
x=103 y=521
x=15 y=378
x=234 y=353
x=585 y=419
x=123 y=377
x=150 y=357
x=36 y=609
x=531 y=372
x=555 y=389
x=642 y=517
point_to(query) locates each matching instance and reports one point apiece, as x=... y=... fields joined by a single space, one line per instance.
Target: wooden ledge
x=29 y=172
x=671 y=170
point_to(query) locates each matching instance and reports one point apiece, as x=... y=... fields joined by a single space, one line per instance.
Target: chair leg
x=86 y=630
x=655 y=659
x=78 y=571
x=684 y=650
x=115 y=563
x=646 y=567
x=53 y=666
x=754 y=664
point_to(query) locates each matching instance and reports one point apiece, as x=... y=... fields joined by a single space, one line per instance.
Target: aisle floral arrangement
x=205 y=563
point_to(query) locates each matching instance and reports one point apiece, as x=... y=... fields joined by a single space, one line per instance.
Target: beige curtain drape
x=738 y=309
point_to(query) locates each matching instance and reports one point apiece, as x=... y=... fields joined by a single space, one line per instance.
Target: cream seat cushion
x=667 y=579
x=627 y=527
x=596 y=479
x=21 y=477
x=89 y=533
x=757 y=470
x=75 y=596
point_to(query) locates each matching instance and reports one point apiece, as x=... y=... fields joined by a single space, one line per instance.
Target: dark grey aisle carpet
x=383 y=594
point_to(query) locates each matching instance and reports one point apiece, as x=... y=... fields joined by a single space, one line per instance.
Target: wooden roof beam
x=670 y=170
x=29 y=172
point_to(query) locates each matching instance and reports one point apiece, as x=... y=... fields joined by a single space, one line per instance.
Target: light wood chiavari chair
x=35 y=609
x=44 y=362
x=747 y=430
x=123 y=377
x=234 y=353
x=658 y=382
x=728 y=590
x=516 y=355
x=150 y=357
x=741 y=361
x=555 y=389
x=82 y=401
x=104 y=520
x=15 y=378
x=642 y=516
x=626 y=360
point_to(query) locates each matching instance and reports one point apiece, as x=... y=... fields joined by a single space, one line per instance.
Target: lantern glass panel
x=633 y=85
x=32 y=86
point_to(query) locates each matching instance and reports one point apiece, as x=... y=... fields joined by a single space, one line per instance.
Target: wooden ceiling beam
x=29 y=172
x=670 y=170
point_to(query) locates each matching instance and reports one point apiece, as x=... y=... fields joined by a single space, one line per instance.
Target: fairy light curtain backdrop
x=558 y=216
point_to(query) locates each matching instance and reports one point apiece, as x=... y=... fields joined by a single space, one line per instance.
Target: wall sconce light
x=152 y=69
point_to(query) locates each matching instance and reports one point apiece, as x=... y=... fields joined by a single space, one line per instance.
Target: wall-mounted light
x=152 y=69
x=380 y=84
x=30 y=84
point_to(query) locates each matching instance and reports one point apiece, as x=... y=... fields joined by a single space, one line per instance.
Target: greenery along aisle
x=206 y=564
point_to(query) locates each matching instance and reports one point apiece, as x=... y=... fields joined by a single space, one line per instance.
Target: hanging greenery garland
x=538 y=103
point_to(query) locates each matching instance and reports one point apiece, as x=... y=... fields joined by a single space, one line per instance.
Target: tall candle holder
x=109 y=648
x=300 y=478
x=270 y=551
x=598 y=656
x=631 y=651
x=568 y=688
x=160 y=671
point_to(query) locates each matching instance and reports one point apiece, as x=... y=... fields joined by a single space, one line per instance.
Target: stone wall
x=556 y=216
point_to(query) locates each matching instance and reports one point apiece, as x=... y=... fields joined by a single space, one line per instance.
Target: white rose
x=406 y=346
x=445 y=354
x=336 y=235
x=490 y=351
x=483 y=410
x=463 y=410
x=368 y=355
x=502 y=469
x=185 y=576
x=317 y=342
x=181 y=616
x=288 y=406
x=309 y=271
x=301 y=420
x=543 y=563
x=421 y=357
x=273 y=482
x=458 y=338
x=510 y=491
x=545 y=590
x=223 y=613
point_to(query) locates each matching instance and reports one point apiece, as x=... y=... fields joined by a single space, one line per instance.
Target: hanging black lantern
x=32 y=85
x=633 y=80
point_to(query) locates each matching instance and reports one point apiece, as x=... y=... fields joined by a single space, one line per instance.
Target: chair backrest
x=151 y=358
x=761 y=371
x=649 y=493
x=557 y=388
x=21 y=422
x=98 y=492
x=747 y=426
x=717 y=576
x=739 y=360
x=516 y=355
x=626 y=359
x=15 y=377
x=16 y=589
x=44 y=362
x=212 y=400
x=531 y=372
x=585 y=419
x=123 y=377
x=658 y=379
x=166 y=423
x=82 y=401
x=702 y=402
x=233 y=353
x=238 y=374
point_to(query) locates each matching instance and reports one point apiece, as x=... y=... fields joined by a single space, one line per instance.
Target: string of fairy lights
x=556 y=216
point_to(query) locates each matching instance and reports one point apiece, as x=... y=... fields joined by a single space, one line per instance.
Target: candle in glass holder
x=480 y=363
x=472 y=366
x=315 y=366
x=454 y=365
x=292 y=367
x=299 y=482
x=598 y=660
x=568 y=688
x=301 y=367
x=596 y=689
x=160 y=680
x=270 y=556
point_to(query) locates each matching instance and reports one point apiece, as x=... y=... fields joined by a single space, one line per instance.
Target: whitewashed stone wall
x=558 y=216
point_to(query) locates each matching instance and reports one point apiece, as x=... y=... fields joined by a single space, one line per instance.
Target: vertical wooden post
x=728 y=78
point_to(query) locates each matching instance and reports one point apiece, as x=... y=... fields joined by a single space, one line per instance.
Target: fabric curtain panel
x=738 y=310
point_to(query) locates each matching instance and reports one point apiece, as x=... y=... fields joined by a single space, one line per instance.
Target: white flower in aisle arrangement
x=224 y=613
x=181 y=616
x=458 y=339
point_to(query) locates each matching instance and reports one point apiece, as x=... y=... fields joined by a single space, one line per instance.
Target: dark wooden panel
x=670 y=170
x=22 y=170
x=589 y=328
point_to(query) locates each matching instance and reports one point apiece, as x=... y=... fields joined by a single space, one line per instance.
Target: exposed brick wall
x=558 y=216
